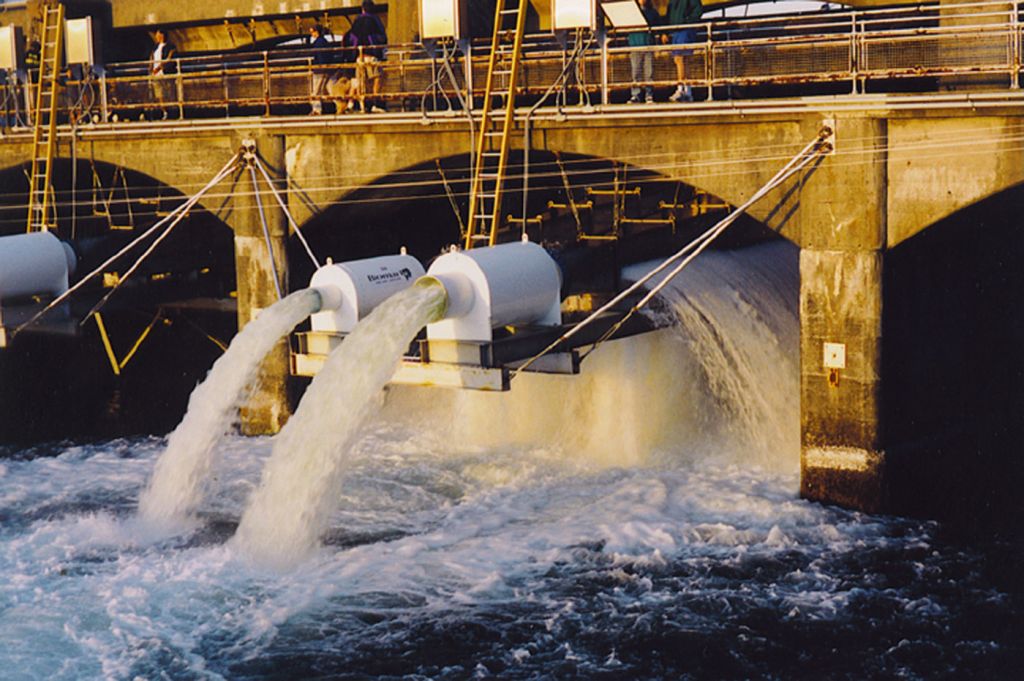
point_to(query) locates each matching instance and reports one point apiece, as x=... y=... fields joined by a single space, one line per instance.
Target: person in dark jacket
x=321 y=68
x=369 y=37
x=683 y=12
x=641 y=61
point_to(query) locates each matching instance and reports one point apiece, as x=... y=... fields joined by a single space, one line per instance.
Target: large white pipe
x=34 y=264
x=350 y=290
x=514 y=283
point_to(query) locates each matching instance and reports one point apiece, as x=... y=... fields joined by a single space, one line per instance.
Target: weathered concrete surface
x=727 y=155
x=267 y=410
x=939 y=165
x=323 y=168
x=842 y=451
x=843 y=218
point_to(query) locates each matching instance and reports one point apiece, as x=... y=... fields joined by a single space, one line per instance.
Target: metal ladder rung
x=47 y=89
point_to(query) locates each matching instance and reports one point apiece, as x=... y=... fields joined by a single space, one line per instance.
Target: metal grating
x=988 y=50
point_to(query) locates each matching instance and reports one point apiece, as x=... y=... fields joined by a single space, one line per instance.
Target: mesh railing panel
x=813 y=59
x=962 y=51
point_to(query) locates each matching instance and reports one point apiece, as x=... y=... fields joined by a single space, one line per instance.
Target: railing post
x=854 y=56
x=266 y=83
x=1015 y=44
x=709 y=63
x=104 y=110
x=180 y=89
x=468 y=54
x=602 y=37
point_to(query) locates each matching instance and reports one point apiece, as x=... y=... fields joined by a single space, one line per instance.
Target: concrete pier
x=843 y=215
x=261 y=273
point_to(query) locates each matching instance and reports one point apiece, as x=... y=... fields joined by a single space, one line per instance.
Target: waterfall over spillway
x=291 y=508
x=738 y=319
x=178 y=479
x=720 y=381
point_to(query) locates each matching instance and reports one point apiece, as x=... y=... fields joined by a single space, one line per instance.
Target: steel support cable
x=266 y=232
x=973 y=142
x=693 y=248
x=664 y=168
x=467 y=108
x=435 y=85
x=959 y=141
x=224 y=172
x=179 y=215
x=451 y=197
x=705 y=240
x=284 y=209
x=741 y=168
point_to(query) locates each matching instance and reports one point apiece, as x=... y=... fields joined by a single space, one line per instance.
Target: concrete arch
x=411 y=208
x=730 y=162
x=99 y=219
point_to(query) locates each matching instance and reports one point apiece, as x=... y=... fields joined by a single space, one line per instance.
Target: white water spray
x=739 y=320
x=290 y=510
x=181 y=472
x=718 y=387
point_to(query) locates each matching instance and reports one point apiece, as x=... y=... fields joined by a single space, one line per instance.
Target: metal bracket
x=827 y=134
x=249 y=151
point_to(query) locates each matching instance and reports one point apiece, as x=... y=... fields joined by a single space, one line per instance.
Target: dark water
x=494 y=565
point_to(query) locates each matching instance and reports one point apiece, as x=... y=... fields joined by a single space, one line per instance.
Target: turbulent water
x=291 y=508
x=640 y=520
x=182 y=472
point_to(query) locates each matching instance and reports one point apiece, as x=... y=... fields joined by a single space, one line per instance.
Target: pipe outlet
x=459 y=295
x=331 y=297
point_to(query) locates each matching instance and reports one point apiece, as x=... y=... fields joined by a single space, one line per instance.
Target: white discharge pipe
x=351 y=290
x=487 y=288
x=34 y=264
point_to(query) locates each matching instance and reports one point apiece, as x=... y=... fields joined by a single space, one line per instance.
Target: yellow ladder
x=491 y=152
x=41 y=213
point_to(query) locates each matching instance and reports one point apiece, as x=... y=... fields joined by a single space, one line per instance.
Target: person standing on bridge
x=683 y=12
x=641 y=61
x=322 y=68
x=368 y=36
x=160 y=66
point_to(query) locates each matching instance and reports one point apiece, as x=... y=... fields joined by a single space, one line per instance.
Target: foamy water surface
x=638 y=521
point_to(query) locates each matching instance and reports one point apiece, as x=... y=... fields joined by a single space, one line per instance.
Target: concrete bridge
x=871 y=275
x=911 y=376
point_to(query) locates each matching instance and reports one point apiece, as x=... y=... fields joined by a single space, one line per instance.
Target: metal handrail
x=812 y=48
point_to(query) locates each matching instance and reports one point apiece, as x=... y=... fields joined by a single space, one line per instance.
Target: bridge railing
x=919 y=47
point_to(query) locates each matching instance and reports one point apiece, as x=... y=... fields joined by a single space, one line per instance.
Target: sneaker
x=377 y=109
x=649 y=99
x=681 y=95
x=633 y=100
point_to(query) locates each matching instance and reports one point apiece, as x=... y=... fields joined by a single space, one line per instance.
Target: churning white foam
x=290 y=509
x=182 y=471
x=720 y=382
